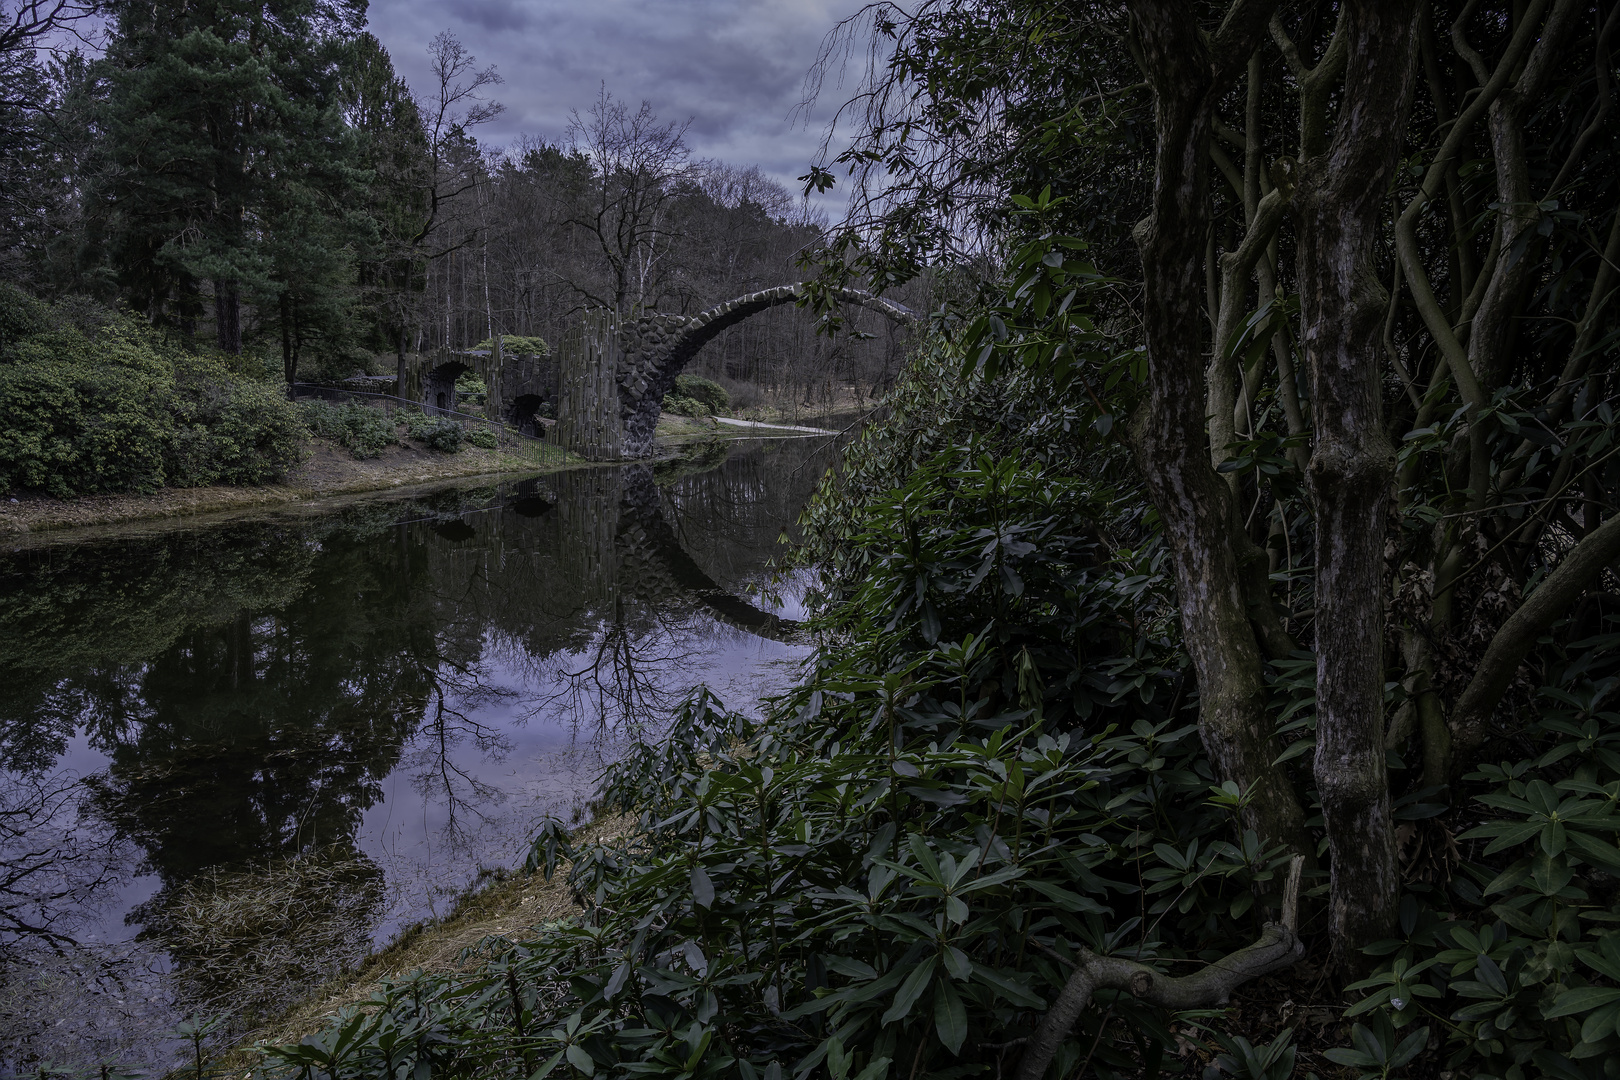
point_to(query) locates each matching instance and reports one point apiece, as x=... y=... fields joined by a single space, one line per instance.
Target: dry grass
x=503 y=905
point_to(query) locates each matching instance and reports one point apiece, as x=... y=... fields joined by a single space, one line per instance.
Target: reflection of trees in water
x=241 y=682
x=78 y=622
x=632 y=675
x=460 y=692
x=254 y=684
x=57 y=866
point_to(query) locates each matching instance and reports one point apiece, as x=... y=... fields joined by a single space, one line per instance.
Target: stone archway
x=525 y=415
x=439 y=386
x=656 y=349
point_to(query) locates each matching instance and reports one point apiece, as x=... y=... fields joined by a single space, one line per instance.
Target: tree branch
x=1406 y=239
x=1588 y=559
x=1605 y=104
x=1239 y=34
x=1235 y=267
x=1279 y=947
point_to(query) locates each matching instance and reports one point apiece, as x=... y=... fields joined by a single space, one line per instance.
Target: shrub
x=743 y=395
x=438 y=432
x=325 y=420
x=516 y=345
x=709 y=392
x=1507 y=946
x=230 y=430
x=84 y=417
x=471 y=388
x=364 y=430
x=368 y=431
x=95 y=402
x=483 y=438
x=20 y=316
x=685 y=406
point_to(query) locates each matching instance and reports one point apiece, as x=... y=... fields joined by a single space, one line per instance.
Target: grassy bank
x=328 y=471
x=507 y=905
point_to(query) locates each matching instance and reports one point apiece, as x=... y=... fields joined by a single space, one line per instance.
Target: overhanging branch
x=1513 y=642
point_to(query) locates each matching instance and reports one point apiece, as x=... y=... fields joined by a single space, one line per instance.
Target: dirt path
x=772 y=427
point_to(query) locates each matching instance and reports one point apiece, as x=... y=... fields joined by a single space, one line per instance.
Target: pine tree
x=392 y=148
x=222 y=133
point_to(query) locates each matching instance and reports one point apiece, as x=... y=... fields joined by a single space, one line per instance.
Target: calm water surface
x=233 y=759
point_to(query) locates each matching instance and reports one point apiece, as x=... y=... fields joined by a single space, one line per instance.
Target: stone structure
x=608 y=377
x=588 y=412
x=657 y=347
x=518 y=385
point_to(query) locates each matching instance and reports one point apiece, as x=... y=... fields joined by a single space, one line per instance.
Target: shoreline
x=509 y=903
x=329 y=477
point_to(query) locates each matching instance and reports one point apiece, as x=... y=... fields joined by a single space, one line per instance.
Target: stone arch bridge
x=607 y=377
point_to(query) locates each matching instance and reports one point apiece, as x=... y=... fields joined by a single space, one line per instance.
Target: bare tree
x=621 y=216
x=450 y=167
x=28 y=24
x=640 y=168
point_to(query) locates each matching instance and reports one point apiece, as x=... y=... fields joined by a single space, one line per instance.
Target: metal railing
x=392 y=402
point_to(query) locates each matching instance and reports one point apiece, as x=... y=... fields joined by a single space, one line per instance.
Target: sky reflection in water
x=244 y=754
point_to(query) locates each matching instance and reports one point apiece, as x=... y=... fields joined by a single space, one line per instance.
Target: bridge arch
x=657 y=348
x=644 y=528
x=525 y=415
x=439 y=386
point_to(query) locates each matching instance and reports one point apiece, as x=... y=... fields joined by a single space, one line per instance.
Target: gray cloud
x=735 y=68
x=490 y=15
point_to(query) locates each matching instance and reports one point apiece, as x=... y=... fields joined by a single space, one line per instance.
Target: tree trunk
x=1188 y=76
x=289 y=359
x=228 y=316
x=399 y=368
x=1339 y=207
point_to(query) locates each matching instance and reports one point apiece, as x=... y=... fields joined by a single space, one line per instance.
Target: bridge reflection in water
x=349 y=713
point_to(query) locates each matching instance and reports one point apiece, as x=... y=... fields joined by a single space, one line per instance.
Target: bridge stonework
x=608 y=377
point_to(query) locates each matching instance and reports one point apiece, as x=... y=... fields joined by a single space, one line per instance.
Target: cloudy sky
x=734 y=68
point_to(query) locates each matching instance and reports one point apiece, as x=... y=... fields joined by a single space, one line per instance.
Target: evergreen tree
x=221 y=124
x=390 y=145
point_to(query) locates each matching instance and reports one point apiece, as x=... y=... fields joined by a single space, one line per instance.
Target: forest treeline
x=257 y=176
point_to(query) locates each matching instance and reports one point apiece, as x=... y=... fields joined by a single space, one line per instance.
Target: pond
x=236 y=758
